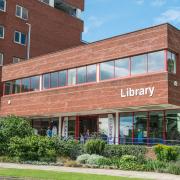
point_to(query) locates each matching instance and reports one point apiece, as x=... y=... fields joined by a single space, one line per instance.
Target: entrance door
x=88 y=126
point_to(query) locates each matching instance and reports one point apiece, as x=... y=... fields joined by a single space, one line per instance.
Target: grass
x=41 y=174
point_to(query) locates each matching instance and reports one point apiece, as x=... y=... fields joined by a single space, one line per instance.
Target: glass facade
x=62 y=78
x=122 y=68
x=91 y=73
x=71 y=77
x=107 y=70
x=54 y=80
x=81 y=75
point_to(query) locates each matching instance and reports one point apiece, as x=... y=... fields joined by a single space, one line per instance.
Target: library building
x=125 y=89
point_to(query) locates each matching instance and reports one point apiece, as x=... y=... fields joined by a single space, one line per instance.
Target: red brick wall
x=76 y=3
x=174 y=45
x=103 y=95
x=151 y=39
x=52 y=30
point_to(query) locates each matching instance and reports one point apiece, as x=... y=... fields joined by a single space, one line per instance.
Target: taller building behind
x=36 y=27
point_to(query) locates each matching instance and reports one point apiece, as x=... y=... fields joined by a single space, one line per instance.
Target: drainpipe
x=29 y=40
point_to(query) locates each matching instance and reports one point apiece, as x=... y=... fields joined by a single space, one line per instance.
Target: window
x=16 y=86
x=3 y=5
x=16 y=60
x=156 y=61
x=171 y=62
x=1 y=59
x=122 y=67
x=7 y=88
x=21 y=12
x=25 y=86
x=46 y=81
x=139 y=64
x=72 y=77
x=45 y=1
x=63 y=78
x=19 y=38
x=1 y=32
x=35 y=80
x=107 y=70
x=91 y=73
x=54 y=80
x=81 y=75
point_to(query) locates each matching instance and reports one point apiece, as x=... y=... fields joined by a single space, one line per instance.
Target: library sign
x=130 y=92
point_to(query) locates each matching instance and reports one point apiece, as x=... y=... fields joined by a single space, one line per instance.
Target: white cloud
x=171 y=15
x=158 y=2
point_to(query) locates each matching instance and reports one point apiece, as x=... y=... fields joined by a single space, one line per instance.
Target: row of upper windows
x=21 y=12
x=136 y=65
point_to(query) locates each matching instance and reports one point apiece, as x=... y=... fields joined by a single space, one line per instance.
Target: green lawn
x=37 y=174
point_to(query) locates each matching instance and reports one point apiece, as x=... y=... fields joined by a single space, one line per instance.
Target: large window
x=8 y=88
x=63 y=78
x=126 y=128
x=35 y=83
x=16 y=86
x=21 y=12
x=91 y=73
x=1 y=32
x=171 y=62
x=71 y=77
x=173 y=126
x=140 y=128
x=156 y=127
x=107 y=70
x=19 y=38
x=156 y=61
x=122 y=67
x=25 y=86
x=3 y=5
x=54 y=80
x=139 y=64
x=1 y=59
x=81 y=75
x=46 y=81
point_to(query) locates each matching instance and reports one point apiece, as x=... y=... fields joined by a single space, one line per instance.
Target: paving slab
x=109 y=172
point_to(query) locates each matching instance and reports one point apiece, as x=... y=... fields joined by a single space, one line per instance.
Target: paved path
x=131 y=174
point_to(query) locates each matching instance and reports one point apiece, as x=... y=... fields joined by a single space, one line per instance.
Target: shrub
x=155 y=165
x=83 y=158
x=174 y=168
x=120 y=150
x=94 y=159
x=95 y=146
x=166 y=153
x=33 y=148
x=12 y=126
x=128 y=158
x=68 y=148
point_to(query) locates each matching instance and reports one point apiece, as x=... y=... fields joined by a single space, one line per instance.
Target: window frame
x=167 y=61
x=21 y=12
x=4 y=10
x=3 y=28
x=2 y=60
x=20 y=38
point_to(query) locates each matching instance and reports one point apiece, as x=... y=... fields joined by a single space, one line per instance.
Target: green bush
x=120 y=150
x=94 y=159
x=68 y=148
x=155 y=165
x=12 y=126
x=174 y=168
x=82 y=159
x=94 y=146
x=166 y=153
x=33 y=148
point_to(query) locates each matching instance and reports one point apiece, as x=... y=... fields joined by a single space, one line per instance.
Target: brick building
x=36 y=27
x=125 y=89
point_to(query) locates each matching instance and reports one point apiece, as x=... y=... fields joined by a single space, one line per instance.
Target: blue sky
x=107 y=18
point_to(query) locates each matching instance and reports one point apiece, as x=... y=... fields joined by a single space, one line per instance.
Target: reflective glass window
x=46 y=81
x=72 y=77
x=25 y=87
x=139 y=64
x=171 y=62
x=156 y=61
x=63 y=78
x=35 y=83
x=54 y=79
x=16 y=86
x=122 y=67
x=91 y=73
x=81 y=75
x=107 y=70
x=8 y=86
x=2 y=5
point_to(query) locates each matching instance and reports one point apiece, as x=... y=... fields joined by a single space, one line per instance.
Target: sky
x=108 y=18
